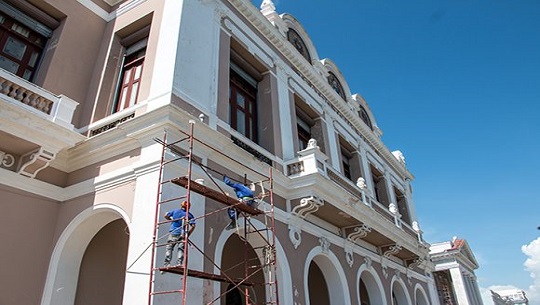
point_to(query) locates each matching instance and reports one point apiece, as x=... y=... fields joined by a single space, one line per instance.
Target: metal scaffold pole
x=265 y=261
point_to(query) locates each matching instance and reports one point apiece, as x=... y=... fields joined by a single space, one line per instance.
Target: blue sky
x=454 y=85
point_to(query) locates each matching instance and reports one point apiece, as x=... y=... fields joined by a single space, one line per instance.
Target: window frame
x=34 y=43
x=134 y=58
x=243 y=85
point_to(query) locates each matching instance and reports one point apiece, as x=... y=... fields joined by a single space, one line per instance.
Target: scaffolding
x=247 y=231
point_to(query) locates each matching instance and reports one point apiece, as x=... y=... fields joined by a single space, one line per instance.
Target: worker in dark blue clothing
x=179 y=229
x=243 y=193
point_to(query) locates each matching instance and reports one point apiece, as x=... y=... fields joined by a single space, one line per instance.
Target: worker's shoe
x=232 y=225
x=165 y=265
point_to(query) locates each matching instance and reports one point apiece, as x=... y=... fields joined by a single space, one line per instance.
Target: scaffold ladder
x=267 y=263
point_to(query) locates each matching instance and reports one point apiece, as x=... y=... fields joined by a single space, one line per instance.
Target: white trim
x=374 y=297
x=336 y=280
x=62 y=276
x=419 y=288
x=285 y=286
x=398 y=280
x=94 y=8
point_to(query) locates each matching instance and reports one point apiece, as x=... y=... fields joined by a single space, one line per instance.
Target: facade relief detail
x=368 y=261
x=349 y=254
x=391 y=250
x=362 y=185
x=6 y=160
x=411 y=264
x=295 y=235
x=325 y=244
x=359 y=233
x=33 y=162
x=308 y=205
x=393 y=208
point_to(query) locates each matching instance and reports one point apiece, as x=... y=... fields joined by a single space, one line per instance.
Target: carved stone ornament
x=307 y=206
x=6 y=159
x=393 y=208
x=312 y=143
x=325 y=244
x=415 y=227
x=359 y=233
x=295 y=235
x=384 y=266
x=361 y=183
x=368 y=261
x=35 y=161
x=392 y=250
x=415 y=263
x=349 y=255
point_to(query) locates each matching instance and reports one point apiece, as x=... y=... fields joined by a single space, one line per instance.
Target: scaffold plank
x=210 y=193
x=205 y=275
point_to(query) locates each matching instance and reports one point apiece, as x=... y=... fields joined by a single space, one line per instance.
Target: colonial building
x=96 y=97
x=509 y=297
x=454 y=273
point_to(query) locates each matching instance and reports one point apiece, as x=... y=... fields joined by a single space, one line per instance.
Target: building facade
x=86 y=88
x=454 y=273
x=509 y=297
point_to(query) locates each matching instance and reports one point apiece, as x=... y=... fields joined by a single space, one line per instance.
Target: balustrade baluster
x=7 y=87
x=13 y=91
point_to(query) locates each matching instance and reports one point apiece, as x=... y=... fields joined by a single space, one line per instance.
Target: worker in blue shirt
x=177 y=232
x=243 y=193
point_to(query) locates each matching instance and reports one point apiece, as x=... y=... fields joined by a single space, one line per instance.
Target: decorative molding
x=295 y=235
x=413 y=263
x=111 y=125
x=384 y=265
x=295 y=168
x=35 y=161
x=251 y=150
x=325 y=244
x=308 y=205
x=349 y=254
x=392 y=250
x=397 y=274
x=6 y=160
x=368 y=261
x=359 y=233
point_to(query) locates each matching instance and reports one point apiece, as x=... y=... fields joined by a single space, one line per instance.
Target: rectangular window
x=304 y=132
x=350 y=161
x=306 y=124
x=20 y=47
x=346 y=163
x=130 y=76
x=379 y=186
x=243 y=103
x=402 y=205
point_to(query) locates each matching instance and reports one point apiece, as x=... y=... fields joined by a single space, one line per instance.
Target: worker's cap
x=185 y=204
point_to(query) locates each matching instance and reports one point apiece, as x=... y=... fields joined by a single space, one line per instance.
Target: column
x=333 y=142
x=366 y=172
x=459 y=286
x=286 y=112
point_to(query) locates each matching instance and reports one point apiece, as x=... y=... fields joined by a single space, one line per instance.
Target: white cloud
x=532 y=264
x=486 y=296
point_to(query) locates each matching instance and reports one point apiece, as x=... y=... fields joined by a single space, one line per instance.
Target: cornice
x=275 y=38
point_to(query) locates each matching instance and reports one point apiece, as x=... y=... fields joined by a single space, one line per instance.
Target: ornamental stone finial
x=268 y=5
x=361 y=183
x=399 y=156
x=312 y=143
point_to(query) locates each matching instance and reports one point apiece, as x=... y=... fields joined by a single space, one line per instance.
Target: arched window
x=298 y=43
x=336 y=85
x=365 y=117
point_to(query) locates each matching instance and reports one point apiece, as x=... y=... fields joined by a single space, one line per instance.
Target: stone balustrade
x=56 y=108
